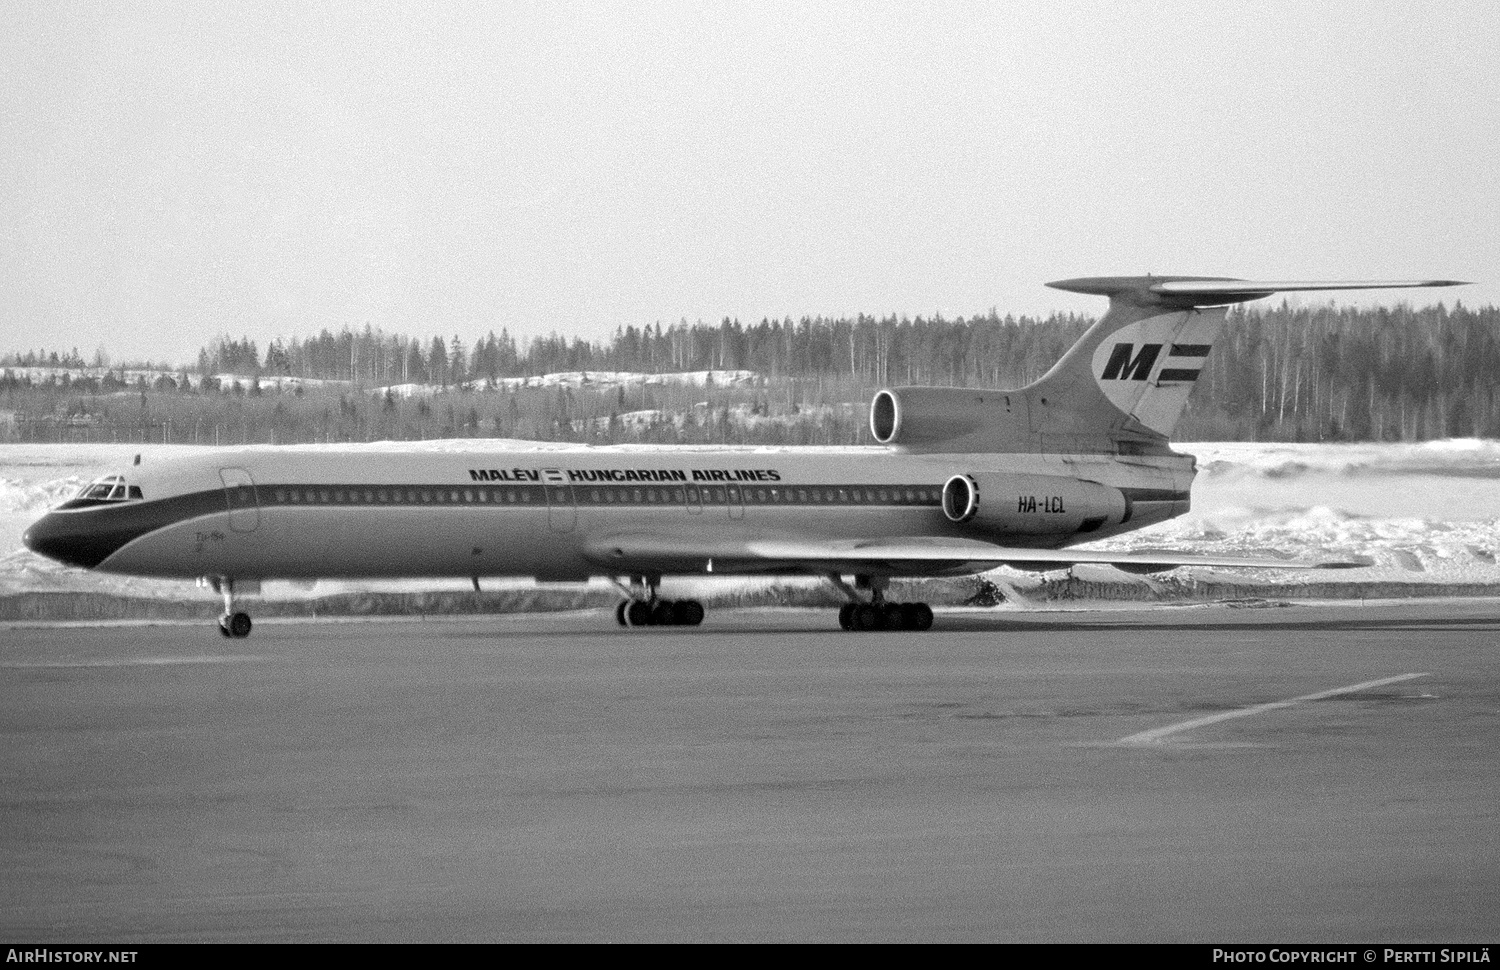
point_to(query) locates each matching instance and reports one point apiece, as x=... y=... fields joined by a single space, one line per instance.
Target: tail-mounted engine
x=1032 y=504
x=924 y=417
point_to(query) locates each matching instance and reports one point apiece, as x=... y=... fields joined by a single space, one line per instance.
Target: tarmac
x=1276 y=774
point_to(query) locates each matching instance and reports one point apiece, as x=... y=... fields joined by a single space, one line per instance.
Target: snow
x=1425 y=512
x=1420 y=513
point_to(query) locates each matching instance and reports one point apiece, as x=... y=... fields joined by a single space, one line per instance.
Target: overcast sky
x=171 y=171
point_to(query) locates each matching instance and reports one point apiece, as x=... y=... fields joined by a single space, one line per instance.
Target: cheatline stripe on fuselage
x=113 y=524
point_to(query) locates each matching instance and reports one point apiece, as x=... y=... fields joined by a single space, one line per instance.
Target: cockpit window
x=110 y=488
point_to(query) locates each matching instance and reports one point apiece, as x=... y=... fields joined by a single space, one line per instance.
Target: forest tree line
x=1321 y=373
x=983 y=350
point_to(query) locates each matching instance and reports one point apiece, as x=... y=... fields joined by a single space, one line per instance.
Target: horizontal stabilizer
x=1255 y=286
x=1211 y=291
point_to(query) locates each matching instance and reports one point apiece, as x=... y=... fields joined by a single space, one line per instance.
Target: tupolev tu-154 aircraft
x=962 y=480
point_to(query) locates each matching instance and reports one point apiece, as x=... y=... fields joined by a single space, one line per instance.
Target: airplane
x=961 y=481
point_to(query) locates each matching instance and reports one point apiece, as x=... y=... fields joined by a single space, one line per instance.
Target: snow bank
x=1422 y=513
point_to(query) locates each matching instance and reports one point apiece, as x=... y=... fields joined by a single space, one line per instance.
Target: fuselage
x=320 y=512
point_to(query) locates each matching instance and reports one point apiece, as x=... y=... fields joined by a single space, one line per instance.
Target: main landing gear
x=233 y=623
x=879 y=614
x=644 y=608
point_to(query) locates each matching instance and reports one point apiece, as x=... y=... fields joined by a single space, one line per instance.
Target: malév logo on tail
x=1148 y=368
x=1125 y=364
x=1124 y=367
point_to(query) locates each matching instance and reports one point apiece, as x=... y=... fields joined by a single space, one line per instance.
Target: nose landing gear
x=234 y=623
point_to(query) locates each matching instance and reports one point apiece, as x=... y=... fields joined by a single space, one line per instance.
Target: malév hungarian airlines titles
x=559 y=476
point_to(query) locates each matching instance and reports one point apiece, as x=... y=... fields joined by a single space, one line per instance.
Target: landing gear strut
x=879 y=614
x=233 y=623
x=645 y=608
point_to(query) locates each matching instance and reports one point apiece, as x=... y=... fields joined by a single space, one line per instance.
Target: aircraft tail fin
x=1132 y=372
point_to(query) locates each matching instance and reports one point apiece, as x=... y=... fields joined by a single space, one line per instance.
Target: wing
x=648 y=552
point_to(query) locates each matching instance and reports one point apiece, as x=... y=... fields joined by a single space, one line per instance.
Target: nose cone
x=69 y=539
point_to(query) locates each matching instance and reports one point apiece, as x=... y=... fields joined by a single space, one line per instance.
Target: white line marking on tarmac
x=135 y=662
x=1155 y=735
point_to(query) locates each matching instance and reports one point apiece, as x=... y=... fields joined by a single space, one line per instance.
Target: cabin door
x=239 y=496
